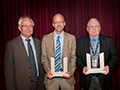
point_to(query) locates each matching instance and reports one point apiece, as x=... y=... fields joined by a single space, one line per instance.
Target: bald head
x=58 y=23
x=58 y=15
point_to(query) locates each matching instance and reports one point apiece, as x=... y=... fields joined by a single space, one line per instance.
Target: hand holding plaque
x=61 y=73
x=101 y=64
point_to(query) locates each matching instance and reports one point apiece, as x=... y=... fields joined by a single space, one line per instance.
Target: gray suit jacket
x=17 y=67
x=48 y=51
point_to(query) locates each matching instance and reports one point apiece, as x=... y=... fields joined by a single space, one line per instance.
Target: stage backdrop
x=76 y=13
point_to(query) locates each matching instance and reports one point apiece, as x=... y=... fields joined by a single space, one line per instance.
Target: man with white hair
x=94 y=44
x=22 y=65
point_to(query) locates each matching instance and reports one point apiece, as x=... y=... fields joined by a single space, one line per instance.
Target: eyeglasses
x=25 y=26
x=58 y=22
x=93 y=26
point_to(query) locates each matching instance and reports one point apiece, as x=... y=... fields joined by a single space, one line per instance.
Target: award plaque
x=101 y=64
x=61 y=73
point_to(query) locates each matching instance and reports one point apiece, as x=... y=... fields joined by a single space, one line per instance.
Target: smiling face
x=26 y=27
x=58 y=23
x=93 y=28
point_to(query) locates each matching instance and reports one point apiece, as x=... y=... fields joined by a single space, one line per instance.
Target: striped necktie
x=32 y=61
x=58 y=55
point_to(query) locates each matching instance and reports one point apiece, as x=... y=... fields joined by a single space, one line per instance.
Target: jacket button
x=29 y=77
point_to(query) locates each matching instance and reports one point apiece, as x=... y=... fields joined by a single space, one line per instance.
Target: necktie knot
x=94 y=39
x=58 y=37
x=28 y=40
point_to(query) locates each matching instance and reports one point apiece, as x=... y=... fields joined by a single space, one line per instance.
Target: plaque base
x=95 y=70
x=59 y=74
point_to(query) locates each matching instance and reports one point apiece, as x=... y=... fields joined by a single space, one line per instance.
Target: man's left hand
x=106 y=68
x=68 y=76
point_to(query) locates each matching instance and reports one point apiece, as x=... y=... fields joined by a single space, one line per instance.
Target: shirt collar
x=97 y=38
x=61 y=35
x=25 y=38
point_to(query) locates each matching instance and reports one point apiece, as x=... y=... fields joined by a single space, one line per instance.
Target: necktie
x=32 y=61
x=58 y=55
x=94 y=55
x=94 y=45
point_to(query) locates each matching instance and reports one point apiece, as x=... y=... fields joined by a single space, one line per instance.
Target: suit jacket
x=48 y=51
x=110 y=58
x=17 y=66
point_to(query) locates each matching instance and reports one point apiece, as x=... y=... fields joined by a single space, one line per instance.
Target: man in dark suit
x=50 y=45
x=96 y=81
x=22 y=65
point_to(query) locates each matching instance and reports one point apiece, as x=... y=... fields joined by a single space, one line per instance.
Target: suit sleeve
x=114 y=57
x=9 y=68
x=44 y=56
x=73 y=56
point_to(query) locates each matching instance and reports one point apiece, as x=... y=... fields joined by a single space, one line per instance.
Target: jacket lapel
x=51 y=43
x=22 y=47
x=102 y=46
x=36 y=49
x=64 y=45
x=87 y=44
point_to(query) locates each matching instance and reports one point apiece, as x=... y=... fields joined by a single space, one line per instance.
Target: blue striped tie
x=58 y=55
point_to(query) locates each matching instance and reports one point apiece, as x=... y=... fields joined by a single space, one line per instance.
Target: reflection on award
x=61 y=73
x=101 y=64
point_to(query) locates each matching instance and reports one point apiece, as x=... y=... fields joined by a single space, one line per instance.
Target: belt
x=96 y=75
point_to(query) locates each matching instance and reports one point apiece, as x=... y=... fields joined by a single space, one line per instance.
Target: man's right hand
x=49 y=74
x=85 y=70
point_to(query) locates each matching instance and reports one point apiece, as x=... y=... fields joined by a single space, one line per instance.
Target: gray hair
x=93 y=19
x=25 y=16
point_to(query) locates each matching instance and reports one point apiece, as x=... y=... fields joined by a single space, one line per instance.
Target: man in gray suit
x=22 y=65
x=67 y=49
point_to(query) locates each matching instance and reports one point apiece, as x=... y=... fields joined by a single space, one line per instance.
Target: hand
x=85 y=70
x=69 y=75
x=49 y=74
x=106 y=68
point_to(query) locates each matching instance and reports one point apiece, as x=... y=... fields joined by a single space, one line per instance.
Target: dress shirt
x=34 y=51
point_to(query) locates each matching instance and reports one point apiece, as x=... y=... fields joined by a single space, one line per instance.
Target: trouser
x=95 y=84
x=59 y=83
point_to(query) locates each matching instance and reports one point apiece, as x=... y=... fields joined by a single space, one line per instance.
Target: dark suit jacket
x=110 y=56
x=17 y=67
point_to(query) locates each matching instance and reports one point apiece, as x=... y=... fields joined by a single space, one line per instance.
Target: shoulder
x=83 y=38
x=36 y=40
x=14 y=40
x=104 y=38
x=48 y=36
x=68 y=34
x=69 y=37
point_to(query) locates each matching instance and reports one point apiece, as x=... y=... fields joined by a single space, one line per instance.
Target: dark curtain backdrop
x=76 y=13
